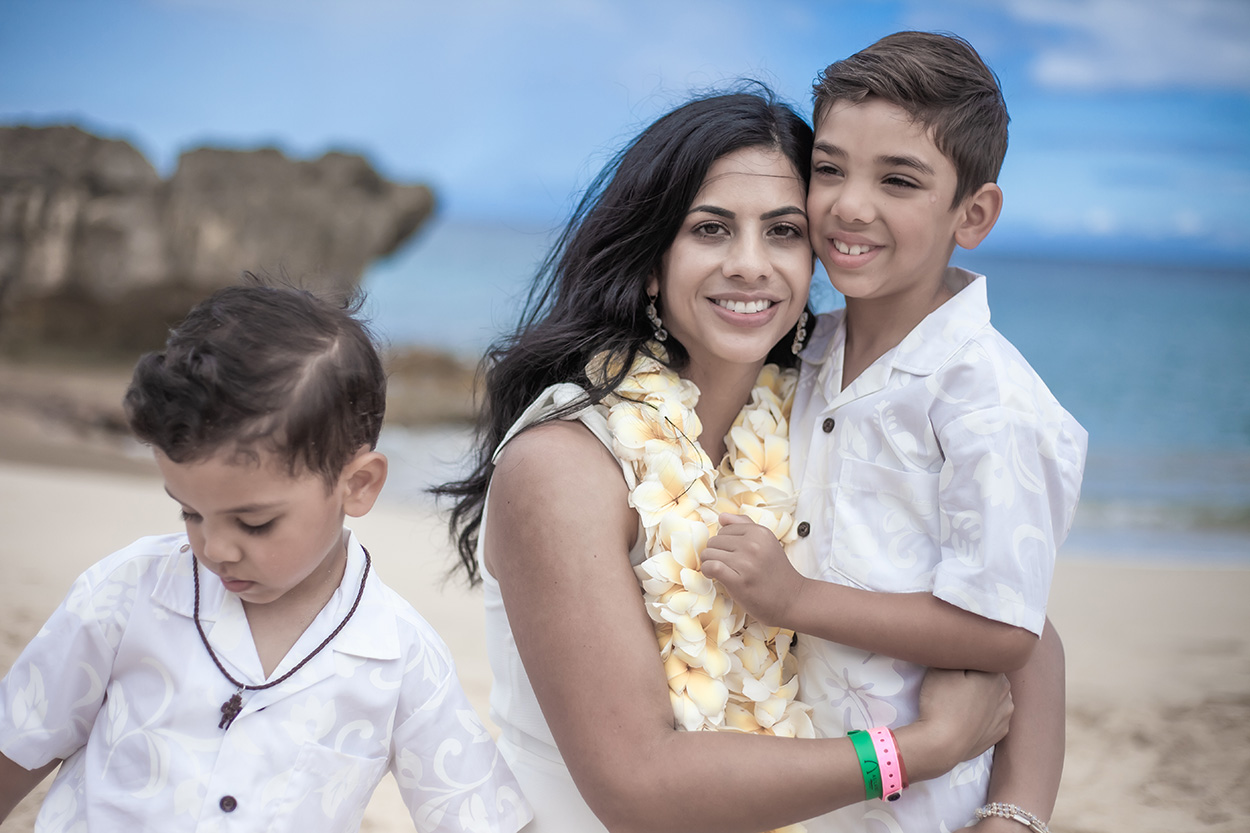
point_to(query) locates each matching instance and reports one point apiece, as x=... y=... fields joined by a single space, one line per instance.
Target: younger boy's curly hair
x=261 y=367
x=943 y=84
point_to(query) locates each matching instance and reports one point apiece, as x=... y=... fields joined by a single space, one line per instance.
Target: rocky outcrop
x=97 y=250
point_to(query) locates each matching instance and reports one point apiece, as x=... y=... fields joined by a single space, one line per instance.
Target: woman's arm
x=1029 y=761
x=557 y=538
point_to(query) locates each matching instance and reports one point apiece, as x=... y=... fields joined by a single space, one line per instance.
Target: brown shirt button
x=805 y=529
x=827 y=425
x=227 y=803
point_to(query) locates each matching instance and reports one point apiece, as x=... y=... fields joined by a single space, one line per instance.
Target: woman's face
x=735 y=279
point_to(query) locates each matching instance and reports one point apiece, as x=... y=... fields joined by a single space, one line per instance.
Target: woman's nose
x=747 y=259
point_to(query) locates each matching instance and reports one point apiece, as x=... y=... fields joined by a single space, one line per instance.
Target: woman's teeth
x=744 y=306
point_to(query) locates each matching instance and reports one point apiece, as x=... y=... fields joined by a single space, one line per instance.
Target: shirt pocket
x=886 y=528
x=325 y=790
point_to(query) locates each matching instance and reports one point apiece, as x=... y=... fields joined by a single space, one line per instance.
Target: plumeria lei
x=726 y=670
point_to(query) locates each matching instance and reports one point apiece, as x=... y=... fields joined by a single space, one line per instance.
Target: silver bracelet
x=1011 y=811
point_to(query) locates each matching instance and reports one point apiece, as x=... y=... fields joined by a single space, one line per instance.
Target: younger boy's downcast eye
x=188 y=517
x=257 y=529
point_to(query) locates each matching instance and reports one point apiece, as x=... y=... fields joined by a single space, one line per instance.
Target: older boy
x=937 y=474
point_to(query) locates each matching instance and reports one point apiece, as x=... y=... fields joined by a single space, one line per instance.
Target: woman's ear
x=978 y=214
x=653 y=285
x=362 y=479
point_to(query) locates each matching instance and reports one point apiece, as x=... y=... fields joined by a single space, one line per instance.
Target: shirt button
x=804 y=529
x=227 y=803
x=827 y=425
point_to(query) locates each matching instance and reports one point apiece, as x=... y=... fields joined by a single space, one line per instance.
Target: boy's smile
x=879 y=204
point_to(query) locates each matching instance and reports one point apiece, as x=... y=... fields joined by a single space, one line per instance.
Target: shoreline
x=1158 y=648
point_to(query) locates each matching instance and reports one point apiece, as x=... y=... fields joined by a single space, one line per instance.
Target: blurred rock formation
x=97 y=251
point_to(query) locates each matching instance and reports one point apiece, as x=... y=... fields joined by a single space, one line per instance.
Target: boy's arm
x=917 y=627
x=1029 y=761
x=16 y=781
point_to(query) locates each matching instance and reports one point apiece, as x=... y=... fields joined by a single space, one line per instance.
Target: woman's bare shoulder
x=557 y=450
x=557 y=481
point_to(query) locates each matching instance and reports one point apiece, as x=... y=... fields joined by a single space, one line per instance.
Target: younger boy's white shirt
x=119 y=684
x=947 y=467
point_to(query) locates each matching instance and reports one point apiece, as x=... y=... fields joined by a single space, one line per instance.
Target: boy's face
x=879 y=203
x=268 y=536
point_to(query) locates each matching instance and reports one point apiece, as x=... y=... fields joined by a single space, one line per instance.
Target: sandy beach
x=1158 y=654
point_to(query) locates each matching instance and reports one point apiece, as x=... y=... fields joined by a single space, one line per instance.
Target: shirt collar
x=372 y=631
x=945 y=330
x=922 y=351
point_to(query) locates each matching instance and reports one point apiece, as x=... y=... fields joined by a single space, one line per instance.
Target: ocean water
x=1154 y=361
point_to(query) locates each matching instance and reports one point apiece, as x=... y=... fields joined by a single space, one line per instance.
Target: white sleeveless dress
x=525 y=739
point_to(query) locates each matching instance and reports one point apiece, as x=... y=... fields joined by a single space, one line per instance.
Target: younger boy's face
x=268 y=536
x=879 y=203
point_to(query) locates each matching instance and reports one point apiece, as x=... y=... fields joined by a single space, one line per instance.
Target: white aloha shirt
x=947 y=467
x=118 y=683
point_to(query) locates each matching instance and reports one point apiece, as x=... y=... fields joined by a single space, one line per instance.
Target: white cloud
x=1188 y=223
x=1101 y=221
x=1142 y=44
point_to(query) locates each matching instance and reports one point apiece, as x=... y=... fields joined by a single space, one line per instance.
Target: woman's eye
x=710 y=229
x=788 y=230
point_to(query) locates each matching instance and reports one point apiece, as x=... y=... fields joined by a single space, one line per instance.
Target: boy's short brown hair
x=263 y=367
x=941 y=81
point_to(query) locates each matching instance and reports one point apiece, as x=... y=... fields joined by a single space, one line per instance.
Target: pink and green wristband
x=885 y=776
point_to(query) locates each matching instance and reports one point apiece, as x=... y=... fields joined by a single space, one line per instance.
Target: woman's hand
x=962 y=714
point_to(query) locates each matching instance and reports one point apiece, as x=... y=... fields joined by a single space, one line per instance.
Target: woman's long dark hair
x=590 y=292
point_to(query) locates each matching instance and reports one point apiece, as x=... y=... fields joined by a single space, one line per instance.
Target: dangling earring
x=653 y=316
x=800 y=334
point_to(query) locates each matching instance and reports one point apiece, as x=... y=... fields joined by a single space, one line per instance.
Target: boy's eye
x=256 y=529
x=188 y=517
x=900 y=182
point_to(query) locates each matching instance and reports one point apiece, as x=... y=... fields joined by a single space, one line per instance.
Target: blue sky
x=1130 y=127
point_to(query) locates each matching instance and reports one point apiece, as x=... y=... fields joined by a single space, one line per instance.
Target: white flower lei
x=726 y=670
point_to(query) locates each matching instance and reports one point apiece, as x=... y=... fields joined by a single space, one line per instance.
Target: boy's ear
x=363 y=478
x=978 y=215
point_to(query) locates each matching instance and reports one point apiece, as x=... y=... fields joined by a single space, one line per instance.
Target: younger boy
x=933 y=465
x=252 y=673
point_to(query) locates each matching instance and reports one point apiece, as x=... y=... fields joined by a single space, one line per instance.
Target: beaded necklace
x=231 y=708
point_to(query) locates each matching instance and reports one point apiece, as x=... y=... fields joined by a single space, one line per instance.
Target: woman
x=696 y=237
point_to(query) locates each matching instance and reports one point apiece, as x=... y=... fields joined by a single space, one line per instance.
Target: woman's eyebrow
x=782 y=212
x=729 y=215
x=712 y=209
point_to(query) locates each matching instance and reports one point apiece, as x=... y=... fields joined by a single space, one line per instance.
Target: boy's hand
x=747 y=559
